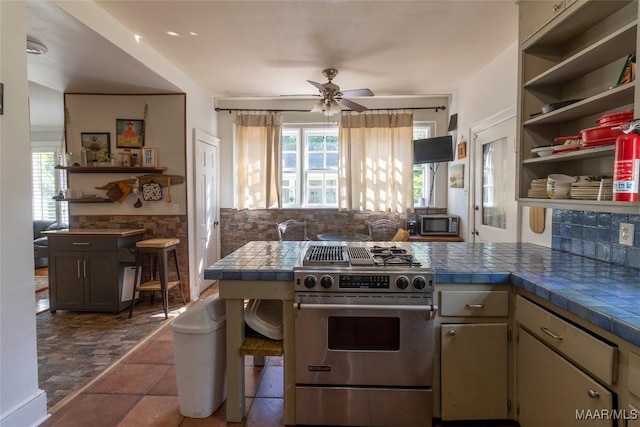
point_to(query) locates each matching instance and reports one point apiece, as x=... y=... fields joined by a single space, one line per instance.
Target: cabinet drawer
x=81 y=243
x=593 y=354
x=474 y=303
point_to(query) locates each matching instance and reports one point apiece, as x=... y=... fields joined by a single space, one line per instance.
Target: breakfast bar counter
x=602 y=294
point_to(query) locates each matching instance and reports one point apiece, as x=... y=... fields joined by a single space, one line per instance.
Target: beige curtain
x=258 y=160
x=376 y=162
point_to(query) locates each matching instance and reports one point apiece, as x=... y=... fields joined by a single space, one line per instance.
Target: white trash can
x=199 y=345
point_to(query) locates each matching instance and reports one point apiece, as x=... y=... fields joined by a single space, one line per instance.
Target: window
x=46 y=184
x=422 y=173
x=310 y=167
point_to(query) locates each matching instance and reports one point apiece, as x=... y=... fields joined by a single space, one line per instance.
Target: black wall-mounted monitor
x=433 y=150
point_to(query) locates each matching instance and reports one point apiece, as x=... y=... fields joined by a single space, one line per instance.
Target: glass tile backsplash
x=595 y=235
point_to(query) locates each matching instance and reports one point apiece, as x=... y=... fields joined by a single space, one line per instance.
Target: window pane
x=493 y=184
x=289 y=160
x=332 y=160
x=316 y=160
x=45 y=180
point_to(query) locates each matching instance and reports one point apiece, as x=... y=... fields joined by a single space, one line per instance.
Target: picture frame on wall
x=129 y=133
x=149 y=158
x=456 y=175
x=97 y=144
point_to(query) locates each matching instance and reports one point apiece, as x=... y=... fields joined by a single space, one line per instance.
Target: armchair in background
x=383 y=230
x=292 y=230
x=41 y=243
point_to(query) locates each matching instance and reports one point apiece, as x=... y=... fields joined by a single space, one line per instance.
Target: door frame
x=479 y=126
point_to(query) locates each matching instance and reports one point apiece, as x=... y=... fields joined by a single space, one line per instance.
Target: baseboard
x=30 y=412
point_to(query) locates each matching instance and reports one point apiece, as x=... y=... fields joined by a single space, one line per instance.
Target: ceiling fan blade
x=320 y=87
x=352 y=105
x=357 y=92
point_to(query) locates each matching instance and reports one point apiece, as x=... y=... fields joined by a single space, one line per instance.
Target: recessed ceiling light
x=191 y=33
x=171 y=33
x=36 y=48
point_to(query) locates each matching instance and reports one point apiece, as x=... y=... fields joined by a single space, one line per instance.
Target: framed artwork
x=97 y=145
x=462 y=149
x=456 y=176
x=129 y=133
x=149 y=158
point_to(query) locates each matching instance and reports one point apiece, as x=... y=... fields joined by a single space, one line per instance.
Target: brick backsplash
x=595 y=235
x=239 y=227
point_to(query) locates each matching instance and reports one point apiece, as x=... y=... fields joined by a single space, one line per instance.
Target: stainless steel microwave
x=439 y=224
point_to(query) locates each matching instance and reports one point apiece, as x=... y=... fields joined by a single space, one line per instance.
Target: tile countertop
x=604 y=294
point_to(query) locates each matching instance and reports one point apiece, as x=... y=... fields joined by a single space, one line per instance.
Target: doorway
x=495 y=212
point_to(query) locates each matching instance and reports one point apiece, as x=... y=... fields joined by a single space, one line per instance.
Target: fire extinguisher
x=626 y=170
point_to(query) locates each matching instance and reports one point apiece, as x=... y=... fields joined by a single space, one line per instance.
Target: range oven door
x=357 y=340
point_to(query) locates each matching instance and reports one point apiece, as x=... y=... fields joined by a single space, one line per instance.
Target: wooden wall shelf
x=112 y=169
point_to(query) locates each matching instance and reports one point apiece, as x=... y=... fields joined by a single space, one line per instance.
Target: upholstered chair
x=292 y=230
x=383 y=230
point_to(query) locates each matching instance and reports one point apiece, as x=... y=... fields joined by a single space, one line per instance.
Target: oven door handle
x=428 y=308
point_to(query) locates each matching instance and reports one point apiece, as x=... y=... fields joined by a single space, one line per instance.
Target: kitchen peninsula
x=596 y=296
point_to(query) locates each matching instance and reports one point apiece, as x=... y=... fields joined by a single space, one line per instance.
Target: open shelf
x=112 y=169
x=583 y=153
x=587 y=205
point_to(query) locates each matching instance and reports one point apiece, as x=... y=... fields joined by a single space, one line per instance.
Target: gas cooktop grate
x=360 y=255
x=326 y=255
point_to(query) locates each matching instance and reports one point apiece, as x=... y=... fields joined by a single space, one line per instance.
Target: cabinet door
x=534 y=14
x=474 y=371
x=553 y=392
x=66 y=281
x=100 y=271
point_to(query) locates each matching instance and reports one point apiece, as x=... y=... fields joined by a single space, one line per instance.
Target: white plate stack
x=538 y=189
x=592 y=188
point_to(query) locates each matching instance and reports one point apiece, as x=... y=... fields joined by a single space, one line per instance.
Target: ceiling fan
x=333 y=97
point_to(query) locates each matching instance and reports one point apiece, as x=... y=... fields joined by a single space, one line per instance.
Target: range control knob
x=309 y=282
x=402 y=282
x=419 y=283
x=326 y=282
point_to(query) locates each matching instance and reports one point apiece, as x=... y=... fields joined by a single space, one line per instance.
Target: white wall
x=22 y=403
x=225 y=124
x=490 y=91
x=164 y=130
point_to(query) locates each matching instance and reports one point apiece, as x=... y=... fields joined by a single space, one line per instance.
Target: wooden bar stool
x=156 y=252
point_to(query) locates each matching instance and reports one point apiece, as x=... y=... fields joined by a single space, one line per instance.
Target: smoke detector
x=36 y=48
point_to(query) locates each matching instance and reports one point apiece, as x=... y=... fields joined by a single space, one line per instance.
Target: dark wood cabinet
x=87 y=272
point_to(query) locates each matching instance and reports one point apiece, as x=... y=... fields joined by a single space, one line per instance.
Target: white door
x=207 y=198
x=495 y=209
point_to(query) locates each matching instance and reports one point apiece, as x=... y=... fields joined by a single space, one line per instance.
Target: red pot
x=615 y=118
x=602 y=135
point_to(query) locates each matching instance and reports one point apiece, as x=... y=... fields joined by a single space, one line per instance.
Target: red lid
x=615 y=118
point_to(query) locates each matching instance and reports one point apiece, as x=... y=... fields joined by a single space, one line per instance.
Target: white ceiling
x=271 y=48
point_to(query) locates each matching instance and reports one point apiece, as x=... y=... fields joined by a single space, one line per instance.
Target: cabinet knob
x=451 y=333
x=556 y=7
x=593 y=394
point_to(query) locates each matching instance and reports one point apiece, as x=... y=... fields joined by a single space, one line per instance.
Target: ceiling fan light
x=332 y=108
x=318 y=107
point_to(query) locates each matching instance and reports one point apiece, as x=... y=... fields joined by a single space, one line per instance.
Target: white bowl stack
x=559 y=186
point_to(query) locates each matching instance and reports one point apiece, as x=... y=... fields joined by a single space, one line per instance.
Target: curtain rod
x=276 y=110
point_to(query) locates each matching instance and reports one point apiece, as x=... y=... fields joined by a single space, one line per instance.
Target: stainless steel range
x=364 y=337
